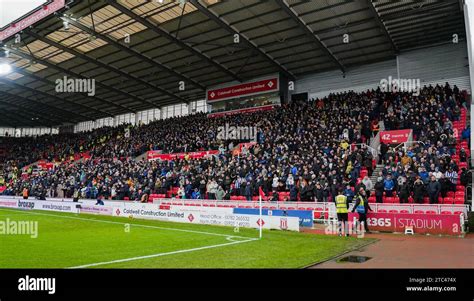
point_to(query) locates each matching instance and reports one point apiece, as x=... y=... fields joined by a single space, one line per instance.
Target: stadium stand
x=304 y=152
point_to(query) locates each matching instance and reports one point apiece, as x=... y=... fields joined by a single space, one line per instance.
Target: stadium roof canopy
x=193 y=42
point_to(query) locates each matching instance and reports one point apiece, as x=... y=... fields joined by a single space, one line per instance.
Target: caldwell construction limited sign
x=246 y=89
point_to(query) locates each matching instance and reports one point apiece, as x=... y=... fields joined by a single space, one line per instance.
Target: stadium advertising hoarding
x=95 y=209
x=40 y=205
x=40 y=13
x=208 y=216
x=157 y=155
x=9 y=203
x=305 y=216
x=245 y=89
x=447 y=224
x=397 y=136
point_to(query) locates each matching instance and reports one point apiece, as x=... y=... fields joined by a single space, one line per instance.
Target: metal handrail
x=405 y=143
x=372 y=150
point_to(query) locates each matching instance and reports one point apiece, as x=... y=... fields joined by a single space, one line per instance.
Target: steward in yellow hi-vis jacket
x=342 y=212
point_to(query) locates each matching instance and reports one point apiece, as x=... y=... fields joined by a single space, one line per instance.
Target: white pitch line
x=120 y=223
x=160 y=254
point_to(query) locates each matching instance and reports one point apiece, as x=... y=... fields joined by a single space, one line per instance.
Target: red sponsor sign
x=153 y=154
x=448 y=224
x=398 y=136
x=241 y=111
x=262 y=86
x=32 y=18
x=192 y=155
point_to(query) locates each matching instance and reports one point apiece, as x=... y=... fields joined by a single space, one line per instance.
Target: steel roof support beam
x=8 y=117
x=309 y=32
x=26 y=119
x=381 y=25
x=79 y=76
x=132 y=52
x=34 y=91
x=44 y=80
x=103 y=65
x=26 y=109
x=232 y=30
x=161 y=32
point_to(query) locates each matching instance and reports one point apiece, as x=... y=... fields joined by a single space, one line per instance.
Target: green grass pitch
x=91 y=241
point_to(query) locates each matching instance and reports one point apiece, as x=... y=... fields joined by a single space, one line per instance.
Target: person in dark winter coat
x=433 y=189
x=445 y=186
x=319 y=193
x=418 y=190
x=379 y=189
x=403 y=192
x=293 y=194
x=305 y=194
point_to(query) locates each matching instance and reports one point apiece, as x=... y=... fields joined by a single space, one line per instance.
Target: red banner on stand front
x=153 y=155
x=447 y=224
x=241 y=111
x=397 y=136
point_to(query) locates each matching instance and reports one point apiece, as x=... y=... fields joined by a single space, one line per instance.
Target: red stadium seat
x=450 y=194
x=404 y=211
x=458 y=212
x=448 y=200
x=446 y=212
x=459 y=201
x=431 y=212
x=419 y=212
x=393 y=211
x=459 y=194
x=382 y=211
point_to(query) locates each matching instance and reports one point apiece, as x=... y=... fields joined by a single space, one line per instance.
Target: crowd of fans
x=311 y=150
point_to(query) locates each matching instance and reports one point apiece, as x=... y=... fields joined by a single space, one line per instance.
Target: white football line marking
x=161 y=254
